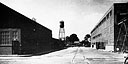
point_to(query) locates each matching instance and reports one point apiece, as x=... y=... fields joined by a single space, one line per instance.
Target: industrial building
x=21 y=35
x=111 y=31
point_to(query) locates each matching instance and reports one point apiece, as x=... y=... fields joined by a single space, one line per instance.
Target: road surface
x=72 y=55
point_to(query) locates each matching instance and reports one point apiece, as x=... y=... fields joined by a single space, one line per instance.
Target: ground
x=71 y=55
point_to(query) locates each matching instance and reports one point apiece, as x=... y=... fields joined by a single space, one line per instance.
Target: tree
x=86 y=42
x=88 y=36
x=73 y=37
x=67 y=38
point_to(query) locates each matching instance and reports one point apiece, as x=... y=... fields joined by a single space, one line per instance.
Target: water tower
x=62 y=31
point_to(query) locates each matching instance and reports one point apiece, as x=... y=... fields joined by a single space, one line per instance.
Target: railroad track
x=81 y=60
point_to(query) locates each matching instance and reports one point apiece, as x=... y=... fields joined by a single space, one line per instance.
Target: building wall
x=35 y=38
x=6 y=40
x=120 y=12
x=107 y=31
x=104 y=31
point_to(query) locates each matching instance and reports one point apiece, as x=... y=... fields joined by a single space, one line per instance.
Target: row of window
x=106 y=32
x=7 y=36
x=103 y=23
x=105 y=18
x=97 y=36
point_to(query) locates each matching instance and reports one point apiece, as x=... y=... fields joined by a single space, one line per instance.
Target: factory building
x=21 y=35
x=111 y=31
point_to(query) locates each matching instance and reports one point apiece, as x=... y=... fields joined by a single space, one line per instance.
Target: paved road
x=72 y=55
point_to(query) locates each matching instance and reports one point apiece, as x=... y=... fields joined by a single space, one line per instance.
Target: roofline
x=106 y=13
x=24 y=16
x=102 y=18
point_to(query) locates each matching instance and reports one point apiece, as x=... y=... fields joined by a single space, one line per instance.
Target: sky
x=79 y=16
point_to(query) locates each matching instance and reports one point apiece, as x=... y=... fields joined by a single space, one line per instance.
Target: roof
x=5 y=6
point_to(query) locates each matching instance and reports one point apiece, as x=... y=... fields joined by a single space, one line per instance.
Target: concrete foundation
x=109 y=48
x=6 y=50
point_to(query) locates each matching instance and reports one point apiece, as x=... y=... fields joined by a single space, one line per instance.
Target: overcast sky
x=80 y=16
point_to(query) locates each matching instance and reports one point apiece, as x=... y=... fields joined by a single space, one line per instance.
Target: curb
x=15 y=55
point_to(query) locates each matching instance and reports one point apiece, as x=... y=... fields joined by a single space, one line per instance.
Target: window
x=7 y=35
x=15 y=34
x=4 y=37
x=111 y=30
x=107 y=15
x=110 y=12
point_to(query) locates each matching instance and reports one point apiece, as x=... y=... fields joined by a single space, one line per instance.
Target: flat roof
x=112 y=7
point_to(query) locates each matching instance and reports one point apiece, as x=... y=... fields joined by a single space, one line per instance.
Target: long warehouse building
x=111 y=31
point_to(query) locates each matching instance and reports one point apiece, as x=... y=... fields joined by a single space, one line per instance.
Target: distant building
x=57 y=44
x=21 y=35
x=110 y=32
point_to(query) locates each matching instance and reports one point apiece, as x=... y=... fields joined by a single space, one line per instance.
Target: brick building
x=21 y=35
x=107 y=33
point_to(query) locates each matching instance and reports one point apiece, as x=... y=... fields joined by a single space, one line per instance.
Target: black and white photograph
x=63 y=31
